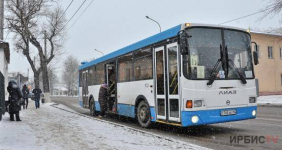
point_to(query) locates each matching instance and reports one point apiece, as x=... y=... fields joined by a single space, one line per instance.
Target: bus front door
x=166 y=83
x=85 y=89
x=111 y=82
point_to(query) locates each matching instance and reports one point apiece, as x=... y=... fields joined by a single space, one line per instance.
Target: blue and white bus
x=191 y=74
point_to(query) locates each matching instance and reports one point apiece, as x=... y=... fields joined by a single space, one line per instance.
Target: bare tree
x=32 y=21
x=53 y=78
x=70 y=74
x=273 y=9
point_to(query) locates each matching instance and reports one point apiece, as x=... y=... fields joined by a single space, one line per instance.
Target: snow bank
x=271 y=99
x=53 y=128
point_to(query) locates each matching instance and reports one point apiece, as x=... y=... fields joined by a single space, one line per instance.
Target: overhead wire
x=81 y=14
x=66 y=9
x=72 y=16
x=246 y=16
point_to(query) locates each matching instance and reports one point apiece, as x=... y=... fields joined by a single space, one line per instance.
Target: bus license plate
x=228 y=112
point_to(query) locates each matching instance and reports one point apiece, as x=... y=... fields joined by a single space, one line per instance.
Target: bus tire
x=144 y=115
x=92 y=107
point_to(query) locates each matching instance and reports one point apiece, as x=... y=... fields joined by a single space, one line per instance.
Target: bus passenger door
x=111 y=82
x=85 y=88
x=159 y=75
x=172 y=82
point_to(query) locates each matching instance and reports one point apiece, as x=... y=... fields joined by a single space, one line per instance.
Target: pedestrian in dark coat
x=25 y=92
x=15 y=96
x=103 y=99
x=37 y=92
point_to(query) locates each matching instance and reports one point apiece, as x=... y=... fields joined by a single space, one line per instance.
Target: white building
x=4 y=61
x=59 y=90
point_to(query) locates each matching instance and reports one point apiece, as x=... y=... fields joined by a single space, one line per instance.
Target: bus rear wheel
x=144 y=115
x=92 y=108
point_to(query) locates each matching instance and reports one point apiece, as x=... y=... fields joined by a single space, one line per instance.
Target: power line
x=246 y=15
x=66 y=9
x=81 y=14
x=73 y=16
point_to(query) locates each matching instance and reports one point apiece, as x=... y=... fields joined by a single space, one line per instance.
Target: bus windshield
x=204 y=52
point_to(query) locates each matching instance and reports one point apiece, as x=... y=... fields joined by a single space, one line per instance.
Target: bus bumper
x=214 y=116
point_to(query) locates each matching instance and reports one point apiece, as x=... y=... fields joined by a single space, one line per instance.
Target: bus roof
x=143 y=43
x=148 y=41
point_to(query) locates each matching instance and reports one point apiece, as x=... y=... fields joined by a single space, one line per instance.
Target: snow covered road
x=270 y=99
x=53 y=128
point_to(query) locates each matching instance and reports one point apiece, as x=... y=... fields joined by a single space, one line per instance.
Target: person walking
x=25 y=92
x=14 y=102
x=103 y=93
x=37 y=92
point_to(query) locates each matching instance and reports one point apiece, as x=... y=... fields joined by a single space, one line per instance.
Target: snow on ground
x=271 y=99
x=53 y=128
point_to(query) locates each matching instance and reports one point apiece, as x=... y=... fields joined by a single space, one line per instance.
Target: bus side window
x=125 y=71
x=91 y=75
x=100 y=74
x=143 y=65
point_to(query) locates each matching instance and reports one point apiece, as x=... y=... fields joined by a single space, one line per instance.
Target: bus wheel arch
x=142 y=111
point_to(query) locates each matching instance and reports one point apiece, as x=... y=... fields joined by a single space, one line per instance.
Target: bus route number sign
x=228 y=112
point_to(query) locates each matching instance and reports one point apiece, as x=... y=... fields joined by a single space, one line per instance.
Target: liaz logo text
x=227 y=92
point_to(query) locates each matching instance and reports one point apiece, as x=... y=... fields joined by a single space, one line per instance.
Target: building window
x=270 y=52
x=257 y=50
x=125 y=71
x=281 y=52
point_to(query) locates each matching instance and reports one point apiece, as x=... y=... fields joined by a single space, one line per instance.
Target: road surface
x=267 y=125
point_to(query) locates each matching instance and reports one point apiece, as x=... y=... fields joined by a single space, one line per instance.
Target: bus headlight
x=195 y=119
x=254 y=112
x=252 y=100
x=198 y=103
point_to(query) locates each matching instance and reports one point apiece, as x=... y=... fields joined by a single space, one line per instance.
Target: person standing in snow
x=15 y=96
x=25 y=92
x=37 y=92
x=103 y=99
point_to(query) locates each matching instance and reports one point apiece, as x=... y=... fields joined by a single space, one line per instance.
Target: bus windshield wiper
x=242 y=78
x=216 y=68
x=214 y=71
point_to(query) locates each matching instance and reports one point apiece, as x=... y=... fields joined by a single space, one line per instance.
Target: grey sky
x=109 y=24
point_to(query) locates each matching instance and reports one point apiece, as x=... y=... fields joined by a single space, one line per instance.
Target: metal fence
x=2 y=94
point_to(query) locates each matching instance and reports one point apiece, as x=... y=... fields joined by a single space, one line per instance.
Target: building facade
x=269 y=69
x=1 y=19
x=4 y=61
x=19 y=78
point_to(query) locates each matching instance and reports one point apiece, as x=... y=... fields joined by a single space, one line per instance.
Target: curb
x=190 y=146
x=269 y=105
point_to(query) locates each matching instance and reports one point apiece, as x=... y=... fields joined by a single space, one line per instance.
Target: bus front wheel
x=143 y=114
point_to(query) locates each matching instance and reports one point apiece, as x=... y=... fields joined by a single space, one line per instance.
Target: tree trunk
x=36 y=78
x=45 y=78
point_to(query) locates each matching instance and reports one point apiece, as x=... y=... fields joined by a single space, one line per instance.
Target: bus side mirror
x=184 y=48
x=255 y=54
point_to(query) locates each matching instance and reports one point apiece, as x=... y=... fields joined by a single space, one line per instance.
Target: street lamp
x=155 y=22
x=99 y=51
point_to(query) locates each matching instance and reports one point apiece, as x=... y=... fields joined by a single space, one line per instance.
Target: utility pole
x=1 y=19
